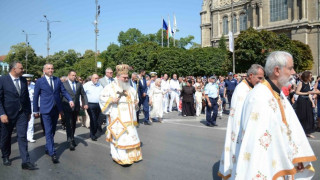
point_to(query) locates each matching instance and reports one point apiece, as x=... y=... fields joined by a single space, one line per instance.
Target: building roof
x=2 y=58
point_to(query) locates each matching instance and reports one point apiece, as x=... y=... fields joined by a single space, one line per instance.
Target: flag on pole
x=164 y=25
x=231 y=43
x=174 y=30
x=169 y=31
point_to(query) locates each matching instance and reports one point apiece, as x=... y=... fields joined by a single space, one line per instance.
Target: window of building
x=234 y=24
x=243 y=22
x=278 y=10
x=225 y=25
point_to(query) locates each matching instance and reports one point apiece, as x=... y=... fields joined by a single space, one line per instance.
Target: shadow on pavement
x=215 y=169
x=204 y=122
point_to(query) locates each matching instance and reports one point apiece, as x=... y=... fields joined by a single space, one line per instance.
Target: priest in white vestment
x=254 y=75
x=272 y=143
x=118 y=101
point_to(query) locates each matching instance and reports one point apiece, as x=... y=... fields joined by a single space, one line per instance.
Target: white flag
x=174 y=24
x=231 y=43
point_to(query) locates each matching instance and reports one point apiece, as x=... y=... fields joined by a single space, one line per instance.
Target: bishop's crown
x=122 y=69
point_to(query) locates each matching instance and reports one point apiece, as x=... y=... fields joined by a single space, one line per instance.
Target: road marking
x=184 y=120
x=206 y=127
x=87 y=140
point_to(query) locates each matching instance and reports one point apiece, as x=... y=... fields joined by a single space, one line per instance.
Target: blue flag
x=164 y=25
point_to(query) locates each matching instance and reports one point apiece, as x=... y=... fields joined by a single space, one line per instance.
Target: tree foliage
x=253 y=46
x=145 y=52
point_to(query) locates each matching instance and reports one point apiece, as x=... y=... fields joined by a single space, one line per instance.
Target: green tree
x=34 y=65
x=253 y=46
x=130 y=37
x=63 y=61
x=222 y=43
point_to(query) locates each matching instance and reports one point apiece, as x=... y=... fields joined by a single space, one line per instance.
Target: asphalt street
x=179 y=148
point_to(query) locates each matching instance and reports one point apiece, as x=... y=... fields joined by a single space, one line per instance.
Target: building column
x=229 y=24
x=303 y=2
x=260 y=14
x=220 y=30
x=238 y=23
x=295 y=10
x=254 y=15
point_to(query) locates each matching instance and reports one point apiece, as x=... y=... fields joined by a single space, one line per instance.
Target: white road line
x=184 y=120
x=206 y=127
x=87 y=140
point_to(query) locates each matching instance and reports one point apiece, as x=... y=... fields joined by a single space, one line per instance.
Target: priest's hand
x=115 y=100
x=36 y=115
x=300 y=167
x=4 y=119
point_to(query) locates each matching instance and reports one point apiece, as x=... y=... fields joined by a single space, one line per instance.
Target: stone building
x=298 y=19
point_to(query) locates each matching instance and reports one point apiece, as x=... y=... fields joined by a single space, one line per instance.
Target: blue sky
x=76 y=31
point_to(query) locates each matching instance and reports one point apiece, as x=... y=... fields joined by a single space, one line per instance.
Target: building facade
x=298 y=19
x=4 y=67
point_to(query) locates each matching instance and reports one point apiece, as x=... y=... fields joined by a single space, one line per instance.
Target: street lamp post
x=48 y=33
x=96 y=30
x=27 y=43
x=233 y=59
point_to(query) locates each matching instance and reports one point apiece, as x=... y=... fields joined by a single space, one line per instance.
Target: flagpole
x=233 y=59
x=168 y=31
x=174 y=31
x=162 y=31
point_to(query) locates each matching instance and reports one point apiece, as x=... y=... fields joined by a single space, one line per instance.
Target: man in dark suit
x=74 y=89
x=49 y=89
x=143 y=97
x=15 y=110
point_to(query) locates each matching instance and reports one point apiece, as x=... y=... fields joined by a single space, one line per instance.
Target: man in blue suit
x=49 y=89
x=15 y=110
x=143 y=97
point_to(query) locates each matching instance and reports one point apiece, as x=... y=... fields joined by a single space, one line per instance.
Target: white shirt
x=165 y=86
x=14 y=82
x=174 y=85
x=71 y=84
x=92 y=91
x=48 y=79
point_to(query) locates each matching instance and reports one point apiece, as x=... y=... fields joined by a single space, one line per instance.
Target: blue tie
x=51 y=83
x=73 y=88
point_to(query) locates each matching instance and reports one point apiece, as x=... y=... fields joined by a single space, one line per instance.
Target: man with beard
x=271 y=142
x=118 y=101
x=254 y=75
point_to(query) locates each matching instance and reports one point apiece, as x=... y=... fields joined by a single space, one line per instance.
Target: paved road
x=179 y=148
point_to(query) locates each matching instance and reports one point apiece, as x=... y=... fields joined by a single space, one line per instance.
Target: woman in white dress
x=155 y=100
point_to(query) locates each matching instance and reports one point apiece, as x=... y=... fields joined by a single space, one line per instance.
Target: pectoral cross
x=123 y=93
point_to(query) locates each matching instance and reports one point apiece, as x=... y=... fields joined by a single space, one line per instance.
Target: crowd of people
x=120 y=101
